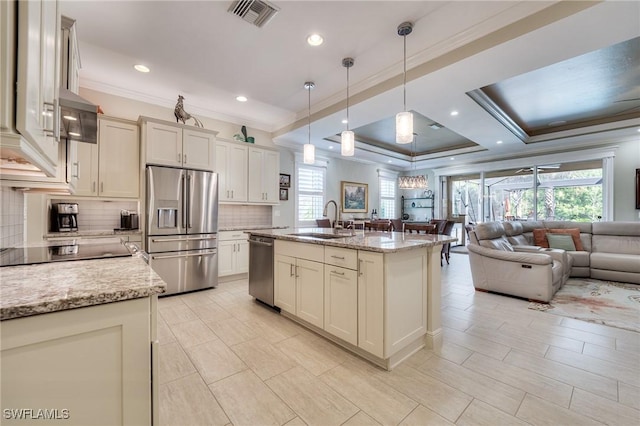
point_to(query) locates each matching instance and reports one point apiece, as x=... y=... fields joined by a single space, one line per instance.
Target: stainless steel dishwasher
x=261 y=268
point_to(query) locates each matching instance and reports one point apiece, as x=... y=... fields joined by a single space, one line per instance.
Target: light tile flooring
x=224 y=359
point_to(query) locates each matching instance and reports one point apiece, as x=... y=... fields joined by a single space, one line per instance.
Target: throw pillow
x=540 y=237
x=561 y=241
x=575 y=234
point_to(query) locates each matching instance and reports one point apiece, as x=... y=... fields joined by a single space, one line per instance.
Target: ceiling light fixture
x=309 y=154
x=454 y=113
x=241 y=98
x=404 y=119
x=315 y=40
x=345 y=121
x=413 y=182
x=347 y=138
x=141 y=68
x=499 y=142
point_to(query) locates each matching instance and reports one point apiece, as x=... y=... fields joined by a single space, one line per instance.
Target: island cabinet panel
x=405 y=295
x=371 y=302
x=285 y=283
x=310 y=291
x=94 y=362
x=341 y=302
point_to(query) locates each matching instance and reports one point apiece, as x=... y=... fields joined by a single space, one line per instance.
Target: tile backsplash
x=96 y=215
x=12 y=217
x=232 y=216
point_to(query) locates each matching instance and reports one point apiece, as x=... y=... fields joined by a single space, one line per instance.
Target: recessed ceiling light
x=498 y=142
x=315 y=40
x=241 y=98
x=141 y=68
x=454 y=113
x=388 y=161
x=330 y=146
x=639 y=130
x=452 y=158
x=345 y=121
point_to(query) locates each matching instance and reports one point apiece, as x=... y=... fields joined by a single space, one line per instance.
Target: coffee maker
x=64 y=217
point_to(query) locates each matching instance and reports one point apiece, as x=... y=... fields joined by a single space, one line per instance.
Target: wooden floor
x=224 y=359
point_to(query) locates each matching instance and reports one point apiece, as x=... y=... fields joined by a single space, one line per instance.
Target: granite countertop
x=246 y=227
x=50 y=287
x=94 y=233
x=383 y=242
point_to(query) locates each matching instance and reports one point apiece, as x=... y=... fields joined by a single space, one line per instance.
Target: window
x=387 y=197
x=310 y=194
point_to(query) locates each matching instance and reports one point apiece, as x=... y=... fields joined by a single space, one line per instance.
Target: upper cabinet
x=110 y=168
x=231 y=166
x=264 y=173
x=32 y=134
x=178 y=145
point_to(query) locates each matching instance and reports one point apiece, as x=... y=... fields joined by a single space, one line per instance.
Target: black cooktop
x=60 y=253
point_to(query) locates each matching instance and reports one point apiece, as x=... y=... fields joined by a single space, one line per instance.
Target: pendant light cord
x=348 y=98
x=309 y=115
x=404 y=83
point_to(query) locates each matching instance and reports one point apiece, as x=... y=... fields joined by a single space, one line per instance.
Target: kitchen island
x=376 y=294
x=78 y=338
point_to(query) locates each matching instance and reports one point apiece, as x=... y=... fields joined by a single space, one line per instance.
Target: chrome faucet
x=326 y=208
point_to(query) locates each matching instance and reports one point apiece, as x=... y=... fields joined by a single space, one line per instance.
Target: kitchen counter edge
x=50 y=287
x=381 y=242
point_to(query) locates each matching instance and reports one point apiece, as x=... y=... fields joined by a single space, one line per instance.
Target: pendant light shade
x=309 y=154
x=347 y=138
x=404 y=120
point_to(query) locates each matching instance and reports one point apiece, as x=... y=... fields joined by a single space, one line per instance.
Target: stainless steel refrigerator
x=182 y=226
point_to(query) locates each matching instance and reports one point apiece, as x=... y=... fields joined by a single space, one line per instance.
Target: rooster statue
x=182 y=115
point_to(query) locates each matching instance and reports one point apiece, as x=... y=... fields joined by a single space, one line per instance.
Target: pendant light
x=404 y=119
x=347 y=138
x=412 y=182
x=309 y=154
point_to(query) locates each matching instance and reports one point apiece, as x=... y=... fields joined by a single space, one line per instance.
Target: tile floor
x=225 y=359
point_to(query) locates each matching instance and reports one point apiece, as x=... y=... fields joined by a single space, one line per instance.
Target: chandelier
x=412 y=182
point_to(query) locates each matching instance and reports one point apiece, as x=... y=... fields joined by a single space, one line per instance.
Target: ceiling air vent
x=256 y=12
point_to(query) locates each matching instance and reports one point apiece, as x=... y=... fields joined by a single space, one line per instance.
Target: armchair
x=530 y=272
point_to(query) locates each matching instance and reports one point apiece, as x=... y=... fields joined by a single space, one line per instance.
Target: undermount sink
x=320 y=235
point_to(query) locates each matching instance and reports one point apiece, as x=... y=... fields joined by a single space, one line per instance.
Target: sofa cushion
x=512 y=228
x=580 y=258
x=560 y=241
x=489 y=230
x=616 y=262
x=584 y=227
x=615 y=244
x=617 y=228
x=519 y=240
x=540 y=236
x=497 y=244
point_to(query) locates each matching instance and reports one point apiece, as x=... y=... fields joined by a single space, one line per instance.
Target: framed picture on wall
x=355 y=197
x=284 y=194
x=285 y=181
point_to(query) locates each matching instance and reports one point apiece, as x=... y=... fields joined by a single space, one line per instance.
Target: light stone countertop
x=247 y=228
x=95 y=233
x=382 y=242
x=50 y=287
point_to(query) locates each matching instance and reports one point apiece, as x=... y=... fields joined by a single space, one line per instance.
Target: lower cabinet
x=341 y=303
x=90 y=364
x=300 y=288
x=233 y=253
x=371 y=302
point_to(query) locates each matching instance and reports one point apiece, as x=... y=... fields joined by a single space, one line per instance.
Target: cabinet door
x=119 y=161
x=256 y=165
x=341 y=303
x=242 y=256
x=231 y=166
x=371 y=302
x=86 y=168
x=264 y=169
x=198 y=150
x=226 y=254
x=36 y=77
x=310 y=291
x=164 y=144
x=284 y=285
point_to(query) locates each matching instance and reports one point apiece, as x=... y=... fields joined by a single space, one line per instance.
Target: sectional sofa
x=603 y=250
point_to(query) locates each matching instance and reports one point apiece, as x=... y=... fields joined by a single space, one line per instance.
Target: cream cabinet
x=176 y=145
x=88 y=363
x=299 y=280
x=231 y=166
x=264 y=174
x=371 y=302
x=30 y=52
x=233 y=253
x=341 y=293
x=110 y=168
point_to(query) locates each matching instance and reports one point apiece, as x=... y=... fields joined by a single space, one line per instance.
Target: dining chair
x=419 y=228
x=446 y=247
x=397 y=225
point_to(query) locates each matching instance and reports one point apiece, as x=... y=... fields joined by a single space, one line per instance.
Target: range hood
x=78 y=118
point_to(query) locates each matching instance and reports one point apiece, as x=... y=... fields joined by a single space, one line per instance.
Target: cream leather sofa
x=611 y=250
x=520 y=270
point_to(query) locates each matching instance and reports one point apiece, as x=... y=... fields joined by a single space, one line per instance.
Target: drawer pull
x=338 y=257
x=338 y=273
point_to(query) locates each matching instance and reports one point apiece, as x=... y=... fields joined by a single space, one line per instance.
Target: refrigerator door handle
x=174 y=256
x=189 y=201
x=184 y=201
x=173 y=240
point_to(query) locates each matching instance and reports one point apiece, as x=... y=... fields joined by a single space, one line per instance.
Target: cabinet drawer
x=314 y=252
x=231 y=235
x=345 y=258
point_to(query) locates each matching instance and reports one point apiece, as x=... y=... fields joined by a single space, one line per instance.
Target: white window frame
x=317 y=165
x=388 y=175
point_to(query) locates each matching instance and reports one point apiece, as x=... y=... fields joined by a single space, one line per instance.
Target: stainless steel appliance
x=261 y=268
x=128 y=220
x=182 y=226
x=64 y=217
